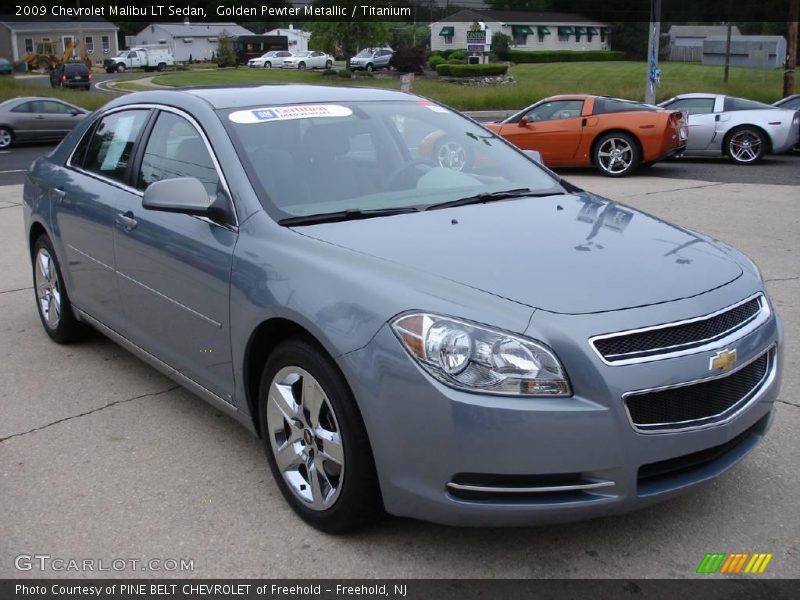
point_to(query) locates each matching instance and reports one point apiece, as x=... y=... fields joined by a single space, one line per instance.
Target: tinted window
x=112 y=143
x=51 y=107
x=743 y=104
x=794 y=103
x=615 y=105
x=559 y=109
x=693 y=106
x=76 y=70
x=175 y=149
x=25 y=107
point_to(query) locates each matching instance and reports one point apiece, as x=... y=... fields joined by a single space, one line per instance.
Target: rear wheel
x=52 y=302
x=745 y=145
x=6 y=137
x=315 y=440
x=616 y=155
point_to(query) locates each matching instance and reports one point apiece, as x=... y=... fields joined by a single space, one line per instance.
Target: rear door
x=553 y=128
x=173 y=270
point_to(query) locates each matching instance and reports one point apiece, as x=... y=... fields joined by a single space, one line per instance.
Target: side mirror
x=75 y=113
x=180 y=195
x=523 y=122
x=534 y=155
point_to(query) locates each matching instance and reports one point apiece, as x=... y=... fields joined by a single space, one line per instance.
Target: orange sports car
x=616 y=136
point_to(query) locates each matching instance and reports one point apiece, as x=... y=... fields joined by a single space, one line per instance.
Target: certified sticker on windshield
x=286 y=113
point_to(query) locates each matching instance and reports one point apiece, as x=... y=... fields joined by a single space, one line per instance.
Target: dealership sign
x=479 y=38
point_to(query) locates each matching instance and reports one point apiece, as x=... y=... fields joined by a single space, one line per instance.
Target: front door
x=174 y=269
x=553 y=128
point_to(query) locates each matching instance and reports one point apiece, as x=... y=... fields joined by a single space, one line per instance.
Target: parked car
x=6 y=68
x=486 y=346
x=268 y=59
x=71 y=75
x=27 y=119
x=371 y=59
x=146 y=58
x=743 y=130
x=308 y=60
x=790 y=103
x=615 y=136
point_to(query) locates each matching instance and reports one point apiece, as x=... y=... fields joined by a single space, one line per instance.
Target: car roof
x=243 y=96
x=569 y=97
x=700 y=95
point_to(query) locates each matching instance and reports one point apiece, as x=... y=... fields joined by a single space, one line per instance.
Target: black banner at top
x=410 y=11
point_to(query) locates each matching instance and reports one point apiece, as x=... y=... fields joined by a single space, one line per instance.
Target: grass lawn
x=13 y=88
x=534 y=81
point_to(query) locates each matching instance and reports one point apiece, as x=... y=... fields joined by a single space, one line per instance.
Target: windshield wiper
x=351 y=214
x=492 y=196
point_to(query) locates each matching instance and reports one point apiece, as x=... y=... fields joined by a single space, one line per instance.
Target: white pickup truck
x=149 y=59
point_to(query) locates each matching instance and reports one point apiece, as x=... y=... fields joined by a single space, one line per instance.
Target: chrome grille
x=695 y=404
x=655 y=342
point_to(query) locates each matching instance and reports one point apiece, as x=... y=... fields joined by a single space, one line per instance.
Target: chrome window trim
x=530 y=490
x=192 y=121
x=723 y=339
x=727 y=415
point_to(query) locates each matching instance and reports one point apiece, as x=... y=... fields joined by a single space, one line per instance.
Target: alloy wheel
x=745 y=146
x=48 y=290
x=305 y=438
x=5 y=138
x=615 y=155
x=451 y=155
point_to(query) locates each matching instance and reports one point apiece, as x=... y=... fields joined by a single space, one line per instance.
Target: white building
x=527 y=30
x=97 y=37
x=686 y=41
x=298 y=39
x=196 y=40
x=754 y=51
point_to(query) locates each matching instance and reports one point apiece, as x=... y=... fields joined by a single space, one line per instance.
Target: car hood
x=570 y=254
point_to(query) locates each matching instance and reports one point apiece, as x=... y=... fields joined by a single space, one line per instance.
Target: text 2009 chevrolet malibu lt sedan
x=489 y=345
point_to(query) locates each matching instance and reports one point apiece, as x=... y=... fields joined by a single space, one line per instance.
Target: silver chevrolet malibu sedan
x=483 y=346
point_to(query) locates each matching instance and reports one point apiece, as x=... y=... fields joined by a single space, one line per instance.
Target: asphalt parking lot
x=102 y=457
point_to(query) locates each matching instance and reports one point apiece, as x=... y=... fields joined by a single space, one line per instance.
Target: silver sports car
x=743 y=130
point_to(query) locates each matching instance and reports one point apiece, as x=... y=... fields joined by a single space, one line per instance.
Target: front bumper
x=426 y=436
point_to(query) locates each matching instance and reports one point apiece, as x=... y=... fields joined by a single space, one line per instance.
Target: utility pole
x=653 y=72
x=727 y=52
x=792 y=50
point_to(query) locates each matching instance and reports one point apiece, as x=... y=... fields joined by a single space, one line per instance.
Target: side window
x=51 y=107
x=693 y=106
x=175 y=149
x=560 y=109
x=25 y=107
x=112 y=143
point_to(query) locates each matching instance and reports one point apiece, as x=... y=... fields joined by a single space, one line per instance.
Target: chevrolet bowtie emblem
x=723 y=360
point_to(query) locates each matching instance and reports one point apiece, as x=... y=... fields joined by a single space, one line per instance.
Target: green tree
x=500 y=45
x=226 y=56
x=347 y=37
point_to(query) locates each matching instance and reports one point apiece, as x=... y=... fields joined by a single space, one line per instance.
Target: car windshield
x=312 y=159
x=364 y=53
x=3 y=61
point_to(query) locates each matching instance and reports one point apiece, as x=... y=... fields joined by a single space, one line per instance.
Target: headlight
x=475 y=358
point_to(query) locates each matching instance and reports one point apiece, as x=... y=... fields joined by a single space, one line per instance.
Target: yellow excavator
x=45 y=56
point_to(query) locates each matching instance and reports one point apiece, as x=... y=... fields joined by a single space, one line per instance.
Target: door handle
x=39 y=117
x=126 y=221
x=59 y=194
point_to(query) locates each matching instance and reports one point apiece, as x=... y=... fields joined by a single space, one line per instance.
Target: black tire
x=745 y=145
x=120 y=68
x=328 y=64
x=370 y=68
x=6 y=137
x=109 y=71
x=616 y=165
x=358 y=501
x=302 y=66
x=268 y=65
x=161 y=67
x=67 y=328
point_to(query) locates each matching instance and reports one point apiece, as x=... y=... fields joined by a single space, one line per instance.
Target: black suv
x=71 y=75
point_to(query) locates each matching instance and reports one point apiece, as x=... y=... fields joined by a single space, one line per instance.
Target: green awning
x=566 y=31
x=543 y=30
x=580 y=31
x=447 y=31
x=591 y=30
x=521 y=30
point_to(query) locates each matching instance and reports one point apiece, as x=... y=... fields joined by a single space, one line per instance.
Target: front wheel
x=745 y=146
x=6 y=137
x=315 y=440
x=52 y=302
x=370 y=68
x=302 y=66
x=161 y=67
x=617 y=155
x=120 y=68
x=328 y=64
x=267 y=65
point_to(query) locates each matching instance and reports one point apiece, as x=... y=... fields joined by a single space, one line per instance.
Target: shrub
x=456 y=61
x=435 y=60
x=449 y=70
x=408 y=60
x=459 y=54
x=500 y=45
x=548 y=56
x=345 y=73
x=329 y=73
